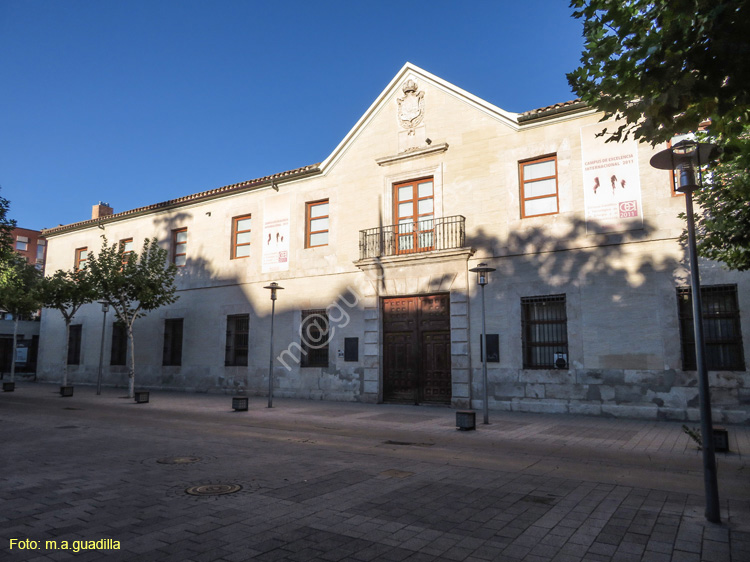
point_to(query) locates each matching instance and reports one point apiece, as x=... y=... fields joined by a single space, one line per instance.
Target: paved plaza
x=103 y=478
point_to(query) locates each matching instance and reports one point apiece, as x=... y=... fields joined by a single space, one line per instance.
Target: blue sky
x=134 y=102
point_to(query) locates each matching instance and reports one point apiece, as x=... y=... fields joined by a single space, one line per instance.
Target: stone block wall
x=646 y=394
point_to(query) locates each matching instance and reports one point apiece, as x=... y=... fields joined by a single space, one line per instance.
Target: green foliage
x=67 y=291
x=133 y=285
x=661 y=67
x=694 y=434
x=723 y=224
x=19 y=294
x=136 y=284
x=6 y=227
x=19 y=287
x=664 y=67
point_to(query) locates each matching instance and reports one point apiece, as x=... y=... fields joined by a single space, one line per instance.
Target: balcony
x=447 y=233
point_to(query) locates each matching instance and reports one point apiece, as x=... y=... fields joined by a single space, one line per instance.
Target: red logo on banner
x=628 y=209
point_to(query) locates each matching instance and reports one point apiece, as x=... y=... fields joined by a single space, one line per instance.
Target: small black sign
x=351 y=349
x=493 y=348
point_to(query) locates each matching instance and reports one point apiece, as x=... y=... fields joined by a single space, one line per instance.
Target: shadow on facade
x=567 y=253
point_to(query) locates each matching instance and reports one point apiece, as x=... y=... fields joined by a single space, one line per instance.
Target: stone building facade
x=586 y=311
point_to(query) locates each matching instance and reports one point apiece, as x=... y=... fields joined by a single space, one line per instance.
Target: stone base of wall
x=642 y=394
x=655 y=395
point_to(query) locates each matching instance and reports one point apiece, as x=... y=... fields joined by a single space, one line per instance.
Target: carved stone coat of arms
x=410 y=107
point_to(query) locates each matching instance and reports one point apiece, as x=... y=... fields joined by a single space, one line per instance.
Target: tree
x=6 y=228
x=660 y=68
x=133 y=285
x=723 y=223
x=19 y=295
x=67 y=291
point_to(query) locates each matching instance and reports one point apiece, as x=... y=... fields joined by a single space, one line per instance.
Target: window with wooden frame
x=119 y=350
x=74 y=344
x=179 y=247
x=241 y=237
x=414 y=215
x=314 y=334
x=172 y=350
x=722 y=334
x=126 y=246
x=317 y=224
x=82 y=256
x=544 y=332
x=238 y=338
x=539 y=187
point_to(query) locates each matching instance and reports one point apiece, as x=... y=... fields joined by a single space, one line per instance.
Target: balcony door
x=414 y=209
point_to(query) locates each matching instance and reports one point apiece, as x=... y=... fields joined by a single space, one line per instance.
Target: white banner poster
x=611 y=183
x=276 y=234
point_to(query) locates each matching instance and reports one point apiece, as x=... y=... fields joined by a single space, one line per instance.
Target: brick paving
x=355 y=482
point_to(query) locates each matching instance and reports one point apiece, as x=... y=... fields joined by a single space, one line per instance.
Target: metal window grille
x=172 y=342
x=238 y=336
x=544 y=327
x=74 y=344
x=721 y=328
x=314 y=334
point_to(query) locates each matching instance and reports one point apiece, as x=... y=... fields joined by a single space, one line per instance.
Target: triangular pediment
x=411 y=72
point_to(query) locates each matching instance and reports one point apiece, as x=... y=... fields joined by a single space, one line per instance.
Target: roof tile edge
x=553 y=110
x=188 y=199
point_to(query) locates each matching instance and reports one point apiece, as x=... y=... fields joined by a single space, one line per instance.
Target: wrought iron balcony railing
x=413 y=237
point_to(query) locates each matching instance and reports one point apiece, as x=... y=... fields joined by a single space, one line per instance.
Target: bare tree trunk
x=13 y=356
x=131 y=370
x=65 y=353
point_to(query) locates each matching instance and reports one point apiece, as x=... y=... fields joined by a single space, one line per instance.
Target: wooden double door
x=417 y=349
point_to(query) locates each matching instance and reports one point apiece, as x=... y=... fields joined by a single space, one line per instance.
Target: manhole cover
x=213 y=489
x=178 y=460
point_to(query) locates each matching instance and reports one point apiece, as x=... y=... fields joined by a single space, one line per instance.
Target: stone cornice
x=388 y=160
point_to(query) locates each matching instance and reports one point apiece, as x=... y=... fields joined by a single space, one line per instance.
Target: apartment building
x=32 y=246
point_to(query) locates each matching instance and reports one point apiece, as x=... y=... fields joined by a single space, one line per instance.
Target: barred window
x=172 y=352
x=721 y=328
x=74 y=344
x=314 y=334
x=544 y=327
x=238 y=334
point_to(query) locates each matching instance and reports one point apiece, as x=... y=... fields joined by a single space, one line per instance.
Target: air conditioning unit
x=561 y=360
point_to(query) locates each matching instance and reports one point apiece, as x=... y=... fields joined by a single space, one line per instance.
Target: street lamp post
x=686 y=157
x=274 y=286
x=105 y=309
x=483 y=275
